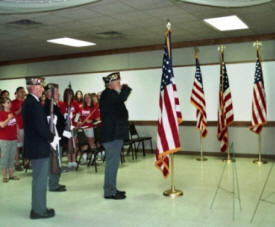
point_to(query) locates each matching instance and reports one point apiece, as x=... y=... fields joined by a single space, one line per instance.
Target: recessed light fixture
x=71 y=42
x=227 y=23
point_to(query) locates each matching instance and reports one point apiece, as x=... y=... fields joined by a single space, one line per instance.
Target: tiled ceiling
x=141 y=22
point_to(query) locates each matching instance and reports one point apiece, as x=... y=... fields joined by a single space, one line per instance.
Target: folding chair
x=138 y=139
x=84 y=147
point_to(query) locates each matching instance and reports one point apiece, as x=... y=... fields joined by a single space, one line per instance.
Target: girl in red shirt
x=89 y=114
x=9 y=133
x=71 y=112
x=78 y=98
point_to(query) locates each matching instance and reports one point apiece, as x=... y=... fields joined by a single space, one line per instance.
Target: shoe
x=117 y=196
x=18 y=168
x=121 y=192
x=48 y=214
x=59 y=189
x=62 y=186
x=14 y=178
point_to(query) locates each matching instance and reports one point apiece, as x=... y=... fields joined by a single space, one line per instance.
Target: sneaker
x=70 y=165
x=74 y=164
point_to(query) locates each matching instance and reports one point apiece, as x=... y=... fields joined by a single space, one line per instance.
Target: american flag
x=258 y=102
x=225 y=112
x=198 y=100
x=170 y=115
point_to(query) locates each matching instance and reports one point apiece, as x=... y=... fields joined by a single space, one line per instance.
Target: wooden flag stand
x=201 y=158
x=173 y=192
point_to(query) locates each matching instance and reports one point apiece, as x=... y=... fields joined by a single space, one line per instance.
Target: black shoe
x=48 y=214
x=117 y=196
x=121 y=192
x=59 y=189
x=62 y=186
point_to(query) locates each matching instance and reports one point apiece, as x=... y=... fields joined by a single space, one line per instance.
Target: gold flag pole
x=201 y=158
x=173 y=192
x=259 y=161
x=221 y=49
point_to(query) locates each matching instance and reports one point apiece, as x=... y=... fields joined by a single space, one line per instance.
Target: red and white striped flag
x=198 y=100
x=259 y=100
x=170 y=116
x=225 y=112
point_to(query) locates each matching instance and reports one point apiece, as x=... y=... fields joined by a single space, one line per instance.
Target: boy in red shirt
x=8 y=139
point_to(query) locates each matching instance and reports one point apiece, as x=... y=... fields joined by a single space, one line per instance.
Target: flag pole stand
x=173 y=192
x=228 y=159
x=260 y=161
x=201 y=158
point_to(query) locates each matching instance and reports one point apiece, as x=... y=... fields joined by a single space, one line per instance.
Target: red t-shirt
x=15 y=106
x=9 y=132
x=74 y=110
x=80 y=105
x=86 y=111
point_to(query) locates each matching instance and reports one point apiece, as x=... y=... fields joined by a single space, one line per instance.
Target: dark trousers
x=112 y=152
x=40 y=170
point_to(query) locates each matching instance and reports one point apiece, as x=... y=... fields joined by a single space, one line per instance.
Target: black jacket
x=114 y=115
x=60 y=125
x=37 y=135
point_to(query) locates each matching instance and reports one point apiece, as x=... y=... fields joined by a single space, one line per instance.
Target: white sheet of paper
x=67 y=134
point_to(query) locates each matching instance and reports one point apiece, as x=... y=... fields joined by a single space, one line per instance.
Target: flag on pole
x=259 y=99
x=170 y=116
x=225 y=112
x=198 y=100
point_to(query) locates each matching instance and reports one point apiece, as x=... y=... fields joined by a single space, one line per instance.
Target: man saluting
x=114 y=116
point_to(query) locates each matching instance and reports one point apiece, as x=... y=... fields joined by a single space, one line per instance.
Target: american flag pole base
x=173 y=193
x=260 y=162
x=201 y=158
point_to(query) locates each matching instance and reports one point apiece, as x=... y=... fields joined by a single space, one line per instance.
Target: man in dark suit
x=114 y=117
x=37 y=138
x=54 y=178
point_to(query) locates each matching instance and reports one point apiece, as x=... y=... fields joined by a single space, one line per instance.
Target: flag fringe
x=161 y=158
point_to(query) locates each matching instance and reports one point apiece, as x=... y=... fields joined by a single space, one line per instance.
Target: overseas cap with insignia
x=35 y=81
x=111 y=77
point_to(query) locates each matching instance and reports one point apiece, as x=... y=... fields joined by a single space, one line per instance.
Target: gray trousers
x=54 y=178
x=112 y=151
x=40 y=170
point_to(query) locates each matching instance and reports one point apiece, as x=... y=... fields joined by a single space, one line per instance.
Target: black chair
x=98 y=145
x=138 y=139
x=84 y=147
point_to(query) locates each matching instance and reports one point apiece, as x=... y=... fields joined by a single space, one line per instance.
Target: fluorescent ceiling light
x=227 y=23
x=71 y=42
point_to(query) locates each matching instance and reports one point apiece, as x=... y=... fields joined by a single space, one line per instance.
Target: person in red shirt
x=71 y=112
x=89 y=114
x=16 y=110
x=78 y=98
x=9 y=133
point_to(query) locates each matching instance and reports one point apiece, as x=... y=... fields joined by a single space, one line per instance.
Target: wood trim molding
x=182 y=44
x=209 y=123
